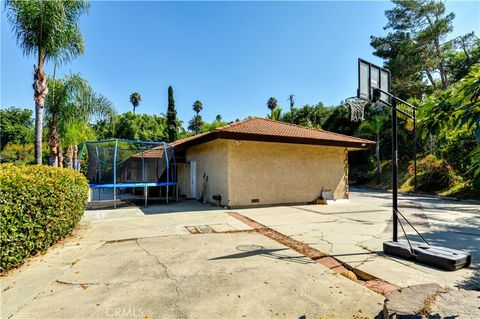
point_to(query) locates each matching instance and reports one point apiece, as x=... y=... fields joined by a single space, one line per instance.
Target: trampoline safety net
x=123 y=162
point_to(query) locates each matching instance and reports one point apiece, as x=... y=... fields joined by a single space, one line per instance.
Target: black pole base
x=435 y=256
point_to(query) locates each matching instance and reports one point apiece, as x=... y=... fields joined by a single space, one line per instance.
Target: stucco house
x=260 y=161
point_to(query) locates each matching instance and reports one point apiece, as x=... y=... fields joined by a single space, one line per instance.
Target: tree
x=135 y=99
x=71 y=100
x=308 y=115
x=402 y=58
x=172 y=122
x=416 y=49
x=210 y=127
x=456 y=108
x=218 y=118
x=428 y=22
x=373 y=127
x=141 y=127
x=291 y=99
x=467 y=53
x=195 y=124
x=197 y=107
x=16 y=126
x=42 y=31
x=276 y=114
x=73 y=134
x=272 y=103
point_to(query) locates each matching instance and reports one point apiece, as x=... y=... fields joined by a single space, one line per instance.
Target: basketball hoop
x=357 y=108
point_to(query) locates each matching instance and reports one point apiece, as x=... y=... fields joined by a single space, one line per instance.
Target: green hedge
x=39 y=205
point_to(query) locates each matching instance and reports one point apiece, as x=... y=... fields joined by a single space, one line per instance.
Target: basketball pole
x=393 y=106
x=436 y=256
x=394 y=169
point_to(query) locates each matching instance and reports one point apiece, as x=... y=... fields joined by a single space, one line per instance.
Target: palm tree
x=195 y=124
x=48 y=30
x=272 y=103
x=135 y=99
x=291 y=99
x=276 y=114
x=197 y=106
x=71 y=100
x=374 y=127
x=75 y=133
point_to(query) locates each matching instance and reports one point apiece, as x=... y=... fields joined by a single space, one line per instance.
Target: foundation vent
x=255 y=200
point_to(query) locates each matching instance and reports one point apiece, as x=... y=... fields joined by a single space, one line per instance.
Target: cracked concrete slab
x=201 y=276
x=146 y=264
x=354 y=233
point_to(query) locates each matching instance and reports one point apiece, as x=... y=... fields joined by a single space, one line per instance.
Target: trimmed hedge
x=39 y=205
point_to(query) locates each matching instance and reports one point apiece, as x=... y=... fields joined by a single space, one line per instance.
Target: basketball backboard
x=371 y=76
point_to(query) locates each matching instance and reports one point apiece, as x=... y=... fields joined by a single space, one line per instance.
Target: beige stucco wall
x=273 y=173
x=211 y=158
x=276 y=173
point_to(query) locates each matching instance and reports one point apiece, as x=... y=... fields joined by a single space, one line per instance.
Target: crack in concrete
x=322 y=238
x=87 y=284
x=370 y=258
x=381 y=255
x=178 y=312
x=24 y=305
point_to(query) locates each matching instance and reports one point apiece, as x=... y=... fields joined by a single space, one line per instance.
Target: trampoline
x=127 y=165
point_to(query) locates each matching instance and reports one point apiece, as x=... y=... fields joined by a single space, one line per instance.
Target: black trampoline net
x=128 y=162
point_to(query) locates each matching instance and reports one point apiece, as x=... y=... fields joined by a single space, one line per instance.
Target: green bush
x=17 y=153
x=39 y=205
x=433 y=174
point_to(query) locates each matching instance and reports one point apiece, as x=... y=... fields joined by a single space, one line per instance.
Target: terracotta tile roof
x=267 y=127
x=256 y=128
x=156 y=152
x=261 y=129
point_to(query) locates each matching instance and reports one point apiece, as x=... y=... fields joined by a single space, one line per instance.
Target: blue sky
x=231 y=56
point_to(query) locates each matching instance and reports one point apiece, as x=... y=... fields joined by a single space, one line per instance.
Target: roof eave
x=293 y=140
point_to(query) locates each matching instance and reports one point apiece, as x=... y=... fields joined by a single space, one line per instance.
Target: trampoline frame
x=145 y=185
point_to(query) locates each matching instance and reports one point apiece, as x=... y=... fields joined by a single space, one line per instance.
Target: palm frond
x=50 y=26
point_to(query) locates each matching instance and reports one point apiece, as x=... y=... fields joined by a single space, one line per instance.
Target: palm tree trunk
x=69 y=157
x=75 y=156
x=40 y=92
x=377 y=153
x=60 y=156
x=54 y=143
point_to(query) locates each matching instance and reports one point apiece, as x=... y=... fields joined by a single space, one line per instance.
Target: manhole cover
x=249 y=247
x=204 y=229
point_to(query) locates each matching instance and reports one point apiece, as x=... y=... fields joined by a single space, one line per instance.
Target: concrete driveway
x=354 y=233
x=124 y=264
x=146 y=263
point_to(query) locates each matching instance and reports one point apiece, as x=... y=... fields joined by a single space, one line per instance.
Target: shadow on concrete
x=464 y=238
x=182 y=206
x=155 y=206
x=269 y=253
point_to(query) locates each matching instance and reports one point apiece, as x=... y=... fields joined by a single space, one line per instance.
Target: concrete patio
x=144 y=263
x=354 y=233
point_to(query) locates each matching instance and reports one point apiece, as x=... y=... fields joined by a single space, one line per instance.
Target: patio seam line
x=369 y=281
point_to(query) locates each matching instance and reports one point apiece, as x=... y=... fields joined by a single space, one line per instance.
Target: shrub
x=17 y=153
x=39 y=205
x=22 y=154
x=433 y=174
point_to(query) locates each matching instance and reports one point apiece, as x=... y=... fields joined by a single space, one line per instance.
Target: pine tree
x=171 y=117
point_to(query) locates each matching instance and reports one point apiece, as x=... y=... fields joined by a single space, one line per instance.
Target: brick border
x=367 y=280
